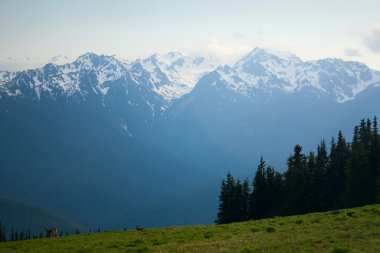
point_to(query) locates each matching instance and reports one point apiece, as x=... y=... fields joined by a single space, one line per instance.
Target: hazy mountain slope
x=29 y=219
x=107 y=141
x=260 y=106
x=75 y=159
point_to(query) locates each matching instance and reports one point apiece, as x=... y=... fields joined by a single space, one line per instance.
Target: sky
x=33 y=32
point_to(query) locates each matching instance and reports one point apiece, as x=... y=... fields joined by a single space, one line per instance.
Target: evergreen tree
x=257 y=207
x=315 y=193
x=246 y=199
x=21 y=236
x=239 y=210
x=266 y=196
x=13 y=238
x=297 y=183
x=375 y=160
x=225 y=214
x=318 y=177
x=3 y=237
x=223 y=203
x=233 y=201
x=334 y=186
x=360 y=186
x=274 y=192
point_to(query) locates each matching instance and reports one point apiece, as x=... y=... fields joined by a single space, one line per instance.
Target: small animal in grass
x=138 y=228
x=51 y=232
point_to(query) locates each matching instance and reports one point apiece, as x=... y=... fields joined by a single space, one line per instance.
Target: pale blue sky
x=227 y=29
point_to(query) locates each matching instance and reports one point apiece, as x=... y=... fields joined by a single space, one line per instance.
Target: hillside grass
x=348 y=230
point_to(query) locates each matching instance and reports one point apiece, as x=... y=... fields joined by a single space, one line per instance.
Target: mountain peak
x=172 y=54
x=91 y=60
x=259 y=55
x=87 y=56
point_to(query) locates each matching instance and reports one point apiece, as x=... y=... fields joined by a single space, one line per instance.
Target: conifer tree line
x=27 y=234
x=347 y=174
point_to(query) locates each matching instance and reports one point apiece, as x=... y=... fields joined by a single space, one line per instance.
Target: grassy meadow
x=348 y=230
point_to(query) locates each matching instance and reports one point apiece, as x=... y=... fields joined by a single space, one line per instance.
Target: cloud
x=352 y=52
x=372 y=41
x=240 y=36
x=281 y=44
x=227 y=54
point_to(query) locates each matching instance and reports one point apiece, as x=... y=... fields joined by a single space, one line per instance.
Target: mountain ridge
x=173 y=75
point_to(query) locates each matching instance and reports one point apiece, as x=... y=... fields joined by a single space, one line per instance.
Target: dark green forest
x=343 y=175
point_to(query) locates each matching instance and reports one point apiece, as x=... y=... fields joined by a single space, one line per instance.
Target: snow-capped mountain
x=174 y=74
x=265 y=71
x=267 y=102
x=66 y=80
x=169 y=75
x=137 y=92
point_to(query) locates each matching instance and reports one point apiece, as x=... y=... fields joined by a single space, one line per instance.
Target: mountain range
x=110 y=142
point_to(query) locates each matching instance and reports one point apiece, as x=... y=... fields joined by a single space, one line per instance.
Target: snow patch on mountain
x=6 y=76
x=266 y=71
x=174 y=75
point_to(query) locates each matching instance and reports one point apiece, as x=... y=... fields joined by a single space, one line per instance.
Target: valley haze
x=132 y=139
x=122 y=113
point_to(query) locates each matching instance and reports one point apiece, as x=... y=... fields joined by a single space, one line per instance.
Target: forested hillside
x=345 y=174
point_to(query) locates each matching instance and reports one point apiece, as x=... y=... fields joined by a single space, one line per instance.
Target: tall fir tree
x=274 y=190
x=258 y=199
x=319 y=176
x=297 y=183
x=233 y=201
x=246 y=199
x=358 y=181
x=375 y=159
x=222 y=216
x=3 y=237
x=334 y=186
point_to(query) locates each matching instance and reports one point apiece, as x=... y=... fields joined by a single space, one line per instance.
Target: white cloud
x=227 y=54
x=372 y=40
x=352 y=52
x=230 y=54
x=279 y=44
x=22 y=63
x=240 y=36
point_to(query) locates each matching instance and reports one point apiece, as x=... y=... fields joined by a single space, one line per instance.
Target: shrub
x=340 y=250
x=246 y=250
x=254 y=230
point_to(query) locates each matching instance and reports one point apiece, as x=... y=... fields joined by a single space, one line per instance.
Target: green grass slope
x=22 y=217
x=349 y=230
